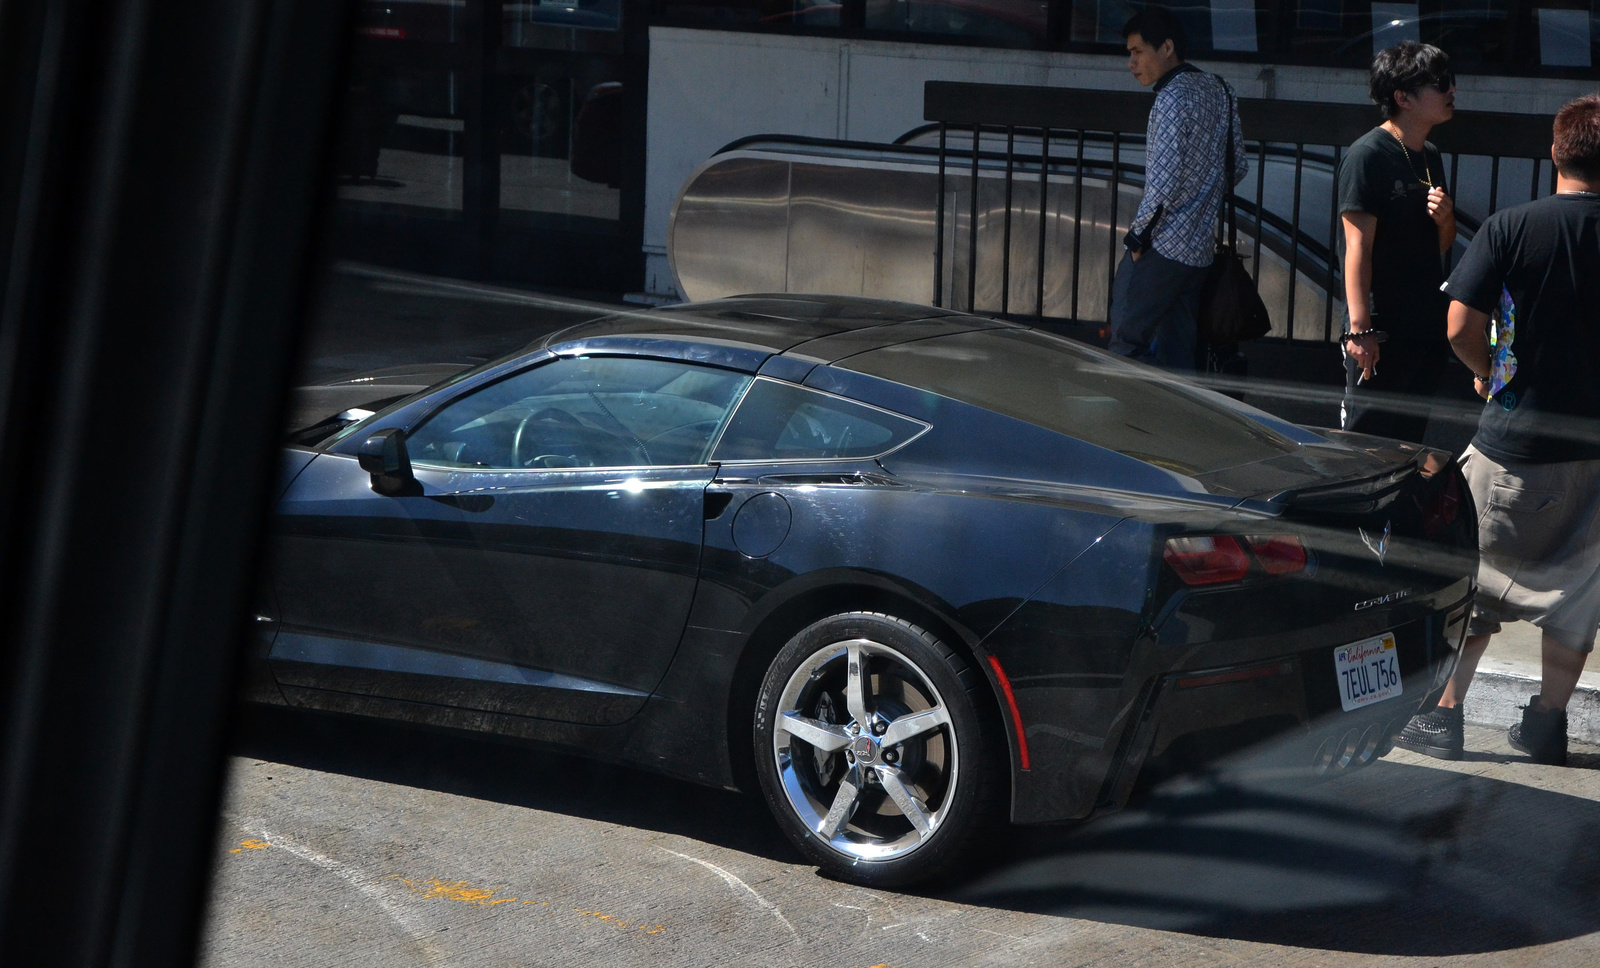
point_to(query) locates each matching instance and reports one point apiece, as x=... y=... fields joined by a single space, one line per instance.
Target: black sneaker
x=1436 y=734
x=1542 y=734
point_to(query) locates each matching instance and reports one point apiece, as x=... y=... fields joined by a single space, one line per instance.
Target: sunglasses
x=1444 y=84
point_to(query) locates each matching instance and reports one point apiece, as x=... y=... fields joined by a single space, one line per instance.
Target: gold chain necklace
x=1426 y=177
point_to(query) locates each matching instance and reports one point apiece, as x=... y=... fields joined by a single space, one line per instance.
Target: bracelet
x=1378 y=335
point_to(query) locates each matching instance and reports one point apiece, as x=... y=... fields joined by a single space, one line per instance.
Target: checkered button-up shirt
x=1185 y=151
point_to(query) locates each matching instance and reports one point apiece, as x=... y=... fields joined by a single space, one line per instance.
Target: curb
x=1497 y=697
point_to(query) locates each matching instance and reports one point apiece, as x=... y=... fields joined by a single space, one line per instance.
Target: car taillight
x=1279 y=554
x=1206 y=561
x=1220 y=558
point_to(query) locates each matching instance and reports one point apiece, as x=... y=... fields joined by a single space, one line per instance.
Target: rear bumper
x=1282 y=716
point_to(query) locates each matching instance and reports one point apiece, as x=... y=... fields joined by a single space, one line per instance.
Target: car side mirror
x=384 y=456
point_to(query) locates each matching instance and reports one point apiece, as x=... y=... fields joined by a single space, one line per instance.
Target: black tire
x=952 y=765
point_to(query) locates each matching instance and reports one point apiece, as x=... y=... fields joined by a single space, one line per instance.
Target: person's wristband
x=1377 y=335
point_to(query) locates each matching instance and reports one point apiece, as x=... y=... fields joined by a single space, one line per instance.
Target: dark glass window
x=1010 y=23
x=526 y=20
x=1063 y=386
x=584 y=412
x=1475 y=33
x=1209 y=25
x=426 y=21
x=400 y=147
x=1563 y=33
x=780 y=421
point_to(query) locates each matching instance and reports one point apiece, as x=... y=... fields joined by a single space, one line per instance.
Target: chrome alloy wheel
x=876 y=779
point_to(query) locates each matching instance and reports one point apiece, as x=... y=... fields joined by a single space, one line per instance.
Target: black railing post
x=1077 y=225
x=938 y=227
x=1261 y=187
x=1044 y=196
x=972 y=224
x=1116 y=195
x=1294 y=235
x=1335 y=231
x=1005 y=250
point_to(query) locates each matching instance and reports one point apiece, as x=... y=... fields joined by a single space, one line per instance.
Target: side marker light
x=1016 y=714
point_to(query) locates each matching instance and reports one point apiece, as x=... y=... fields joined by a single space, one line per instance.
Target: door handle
x=716 y=502
x=475 y=503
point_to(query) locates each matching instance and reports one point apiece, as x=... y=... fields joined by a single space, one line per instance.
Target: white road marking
x=733 y=881
x=368 y=885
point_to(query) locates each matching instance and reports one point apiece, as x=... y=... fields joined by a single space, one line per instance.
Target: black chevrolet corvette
x=909 y=572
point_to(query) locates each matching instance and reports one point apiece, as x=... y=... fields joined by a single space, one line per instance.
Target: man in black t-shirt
x=1534 y=465
x=1398 y=219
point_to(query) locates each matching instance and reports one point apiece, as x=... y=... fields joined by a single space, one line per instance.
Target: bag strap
x=1227 y=212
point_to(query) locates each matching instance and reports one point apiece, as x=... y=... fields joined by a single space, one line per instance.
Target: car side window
x=780 y=421
x=583 y=412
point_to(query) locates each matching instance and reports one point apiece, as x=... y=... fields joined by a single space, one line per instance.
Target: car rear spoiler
x=1361 y=495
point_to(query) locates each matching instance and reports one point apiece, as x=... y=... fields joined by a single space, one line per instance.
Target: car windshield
x=1060 y=386
x=389 y=408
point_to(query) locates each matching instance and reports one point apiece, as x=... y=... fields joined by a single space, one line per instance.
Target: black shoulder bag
x=1230 y=308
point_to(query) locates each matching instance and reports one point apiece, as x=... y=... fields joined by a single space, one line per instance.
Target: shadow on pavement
x=511 y=772
x=1396 y=859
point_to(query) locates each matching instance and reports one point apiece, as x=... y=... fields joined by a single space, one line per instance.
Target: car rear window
x=780 y=421
x=1053 y=383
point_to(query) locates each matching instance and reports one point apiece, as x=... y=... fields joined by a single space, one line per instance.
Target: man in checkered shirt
x=1156 y=295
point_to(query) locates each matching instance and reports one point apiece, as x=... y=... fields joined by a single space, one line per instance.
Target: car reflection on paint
x=910 y=573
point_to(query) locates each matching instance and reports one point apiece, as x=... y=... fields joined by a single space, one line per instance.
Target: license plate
x=1369 y=672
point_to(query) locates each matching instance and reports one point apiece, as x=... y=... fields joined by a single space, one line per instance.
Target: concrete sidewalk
x=1509 y=674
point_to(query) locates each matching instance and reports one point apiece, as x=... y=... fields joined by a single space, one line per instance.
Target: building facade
x=545 y=142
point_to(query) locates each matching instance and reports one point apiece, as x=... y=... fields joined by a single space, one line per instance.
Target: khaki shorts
x=1539 y=545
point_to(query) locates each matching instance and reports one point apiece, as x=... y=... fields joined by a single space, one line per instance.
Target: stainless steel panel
x=862 y=230
x=775 y=220
x=1060 y=259
x=729 y=232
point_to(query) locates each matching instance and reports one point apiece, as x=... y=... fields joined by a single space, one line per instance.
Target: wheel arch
x=781 y=620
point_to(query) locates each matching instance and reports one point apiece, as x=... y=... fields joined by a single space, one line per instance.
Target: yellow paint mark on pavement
x=462 y=892
x=250 y=845
x=458 y=891
x=620 y=923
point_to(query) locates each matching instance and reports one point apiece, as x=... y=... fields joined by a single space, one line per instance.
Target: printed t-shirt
x=1536 y=269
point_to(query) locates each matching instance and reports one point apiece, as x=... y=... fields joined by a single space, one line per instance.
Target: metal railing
x=992 y=139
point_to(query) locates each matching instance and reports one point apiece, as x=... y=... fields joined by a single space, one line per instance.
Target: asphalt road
x=352 y=843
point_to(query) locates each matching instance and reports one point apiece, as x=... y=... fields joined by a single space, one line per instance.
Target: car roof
x=744 y=332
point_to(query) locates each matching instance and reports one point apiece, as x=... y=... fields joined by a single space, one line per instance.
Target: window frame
x=441 y=405
x=923 y=428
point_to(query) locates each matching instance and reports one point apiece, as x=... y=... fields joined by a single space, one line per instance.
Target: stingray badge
x=1378 y=546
